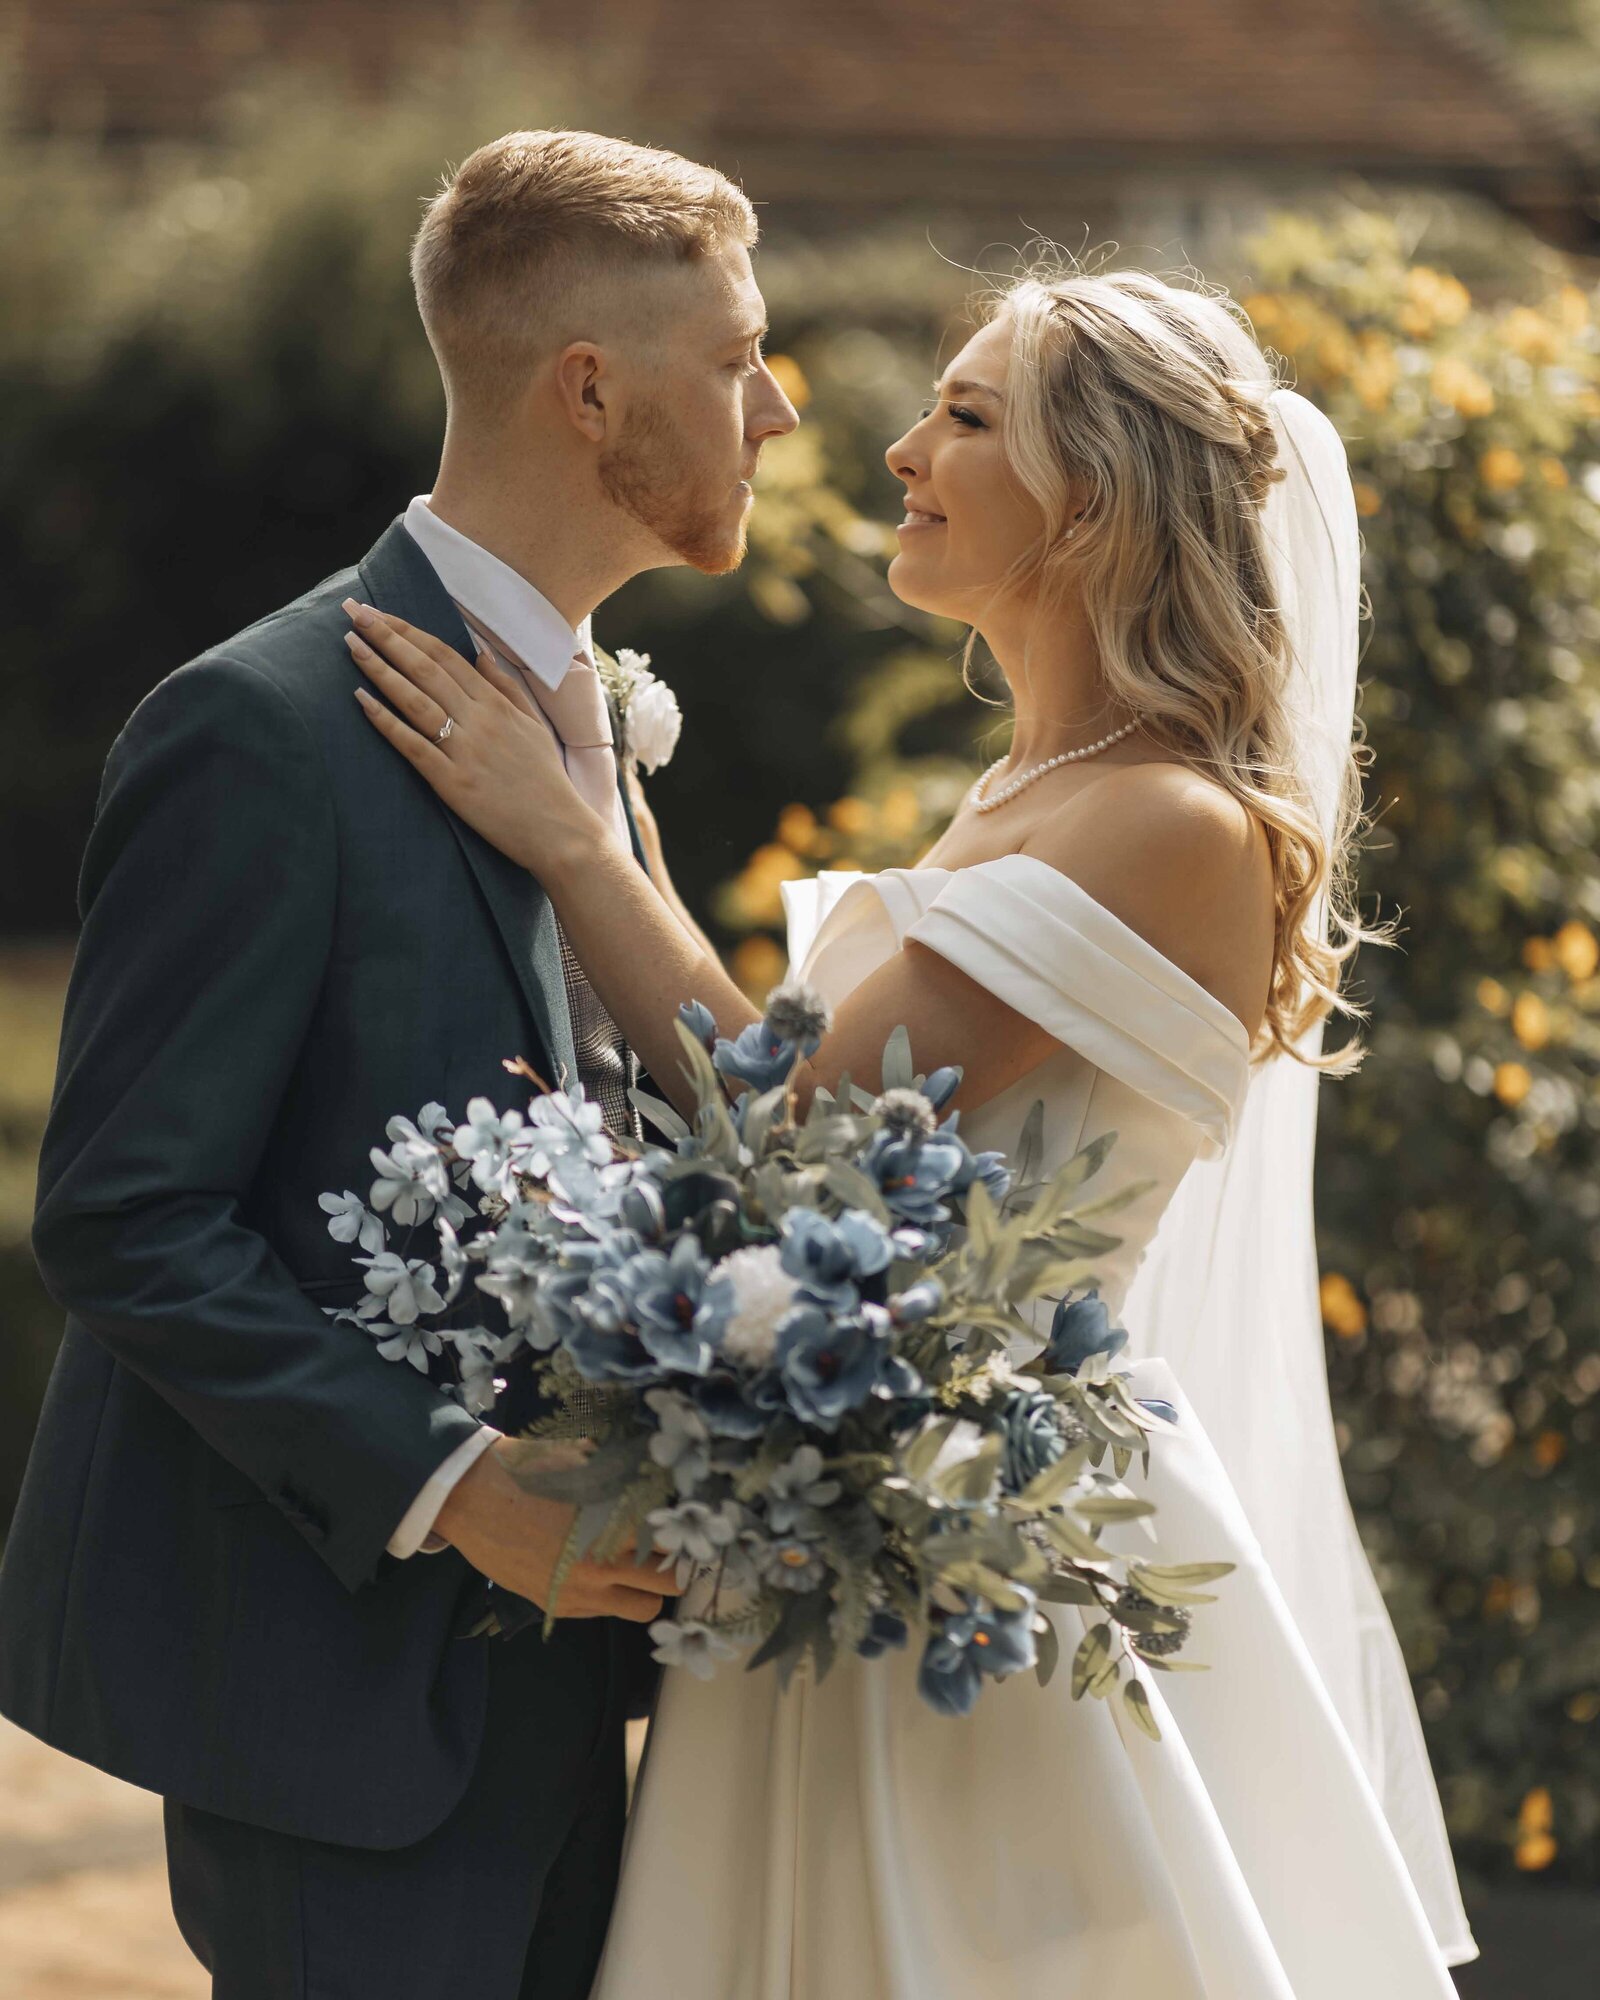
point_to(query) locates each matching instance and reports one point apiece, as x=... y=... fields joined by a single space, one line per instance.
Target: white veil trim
x=1228 y=1292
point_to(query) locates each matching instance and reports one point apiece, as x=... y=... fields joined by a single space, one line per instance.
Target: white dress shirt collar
x=489 y=590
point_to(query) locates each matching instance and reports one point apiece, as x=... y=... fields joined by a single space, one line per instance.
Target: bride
x=1140 y=915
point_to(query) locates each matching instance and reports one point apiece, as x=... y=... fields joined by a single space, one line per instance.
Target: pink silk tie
x=581 y=723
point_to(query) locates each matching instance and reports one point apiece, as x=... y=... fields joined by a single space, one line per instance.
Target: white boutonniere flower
x=651 y=719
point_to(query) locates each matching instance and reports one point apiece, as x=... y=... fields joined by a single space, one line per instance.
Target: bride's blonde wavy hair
x=1154 y=397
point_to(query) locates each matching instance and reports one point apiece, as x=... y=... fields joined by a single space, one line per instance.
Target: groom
x=248 y=1550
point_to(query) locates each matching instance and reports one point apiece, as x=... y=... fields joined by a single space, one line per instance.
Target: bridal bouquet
x=792 y=1347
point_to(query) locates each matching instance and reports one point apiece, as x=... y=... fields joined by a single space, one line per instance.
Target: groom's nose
x=768 y=411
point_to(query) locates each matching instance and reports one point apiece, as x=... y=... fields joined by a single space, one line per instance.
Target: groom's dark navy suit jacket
x=286 y=940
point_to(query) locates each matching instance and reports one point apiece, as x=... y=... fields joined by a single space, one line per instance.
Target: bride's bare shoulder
x=1179 y=859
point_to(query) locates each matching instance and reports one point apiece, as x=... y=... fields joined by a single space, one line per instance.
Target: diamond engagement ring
x=449 y=724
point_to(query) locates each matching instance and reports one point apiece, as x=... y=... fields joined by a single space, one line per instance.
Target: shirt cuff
x=415 y=1532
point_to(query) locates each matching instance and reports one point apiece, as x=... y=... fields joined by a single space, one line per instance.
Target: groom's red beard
x=650 y=474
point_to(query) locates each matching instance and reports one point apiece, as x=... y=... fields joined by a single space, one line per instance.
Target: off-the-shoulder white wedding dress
x=845 y=1842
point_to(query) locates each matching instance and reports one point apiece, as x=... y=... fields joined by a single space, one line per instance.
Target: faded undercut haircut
x=527 y=237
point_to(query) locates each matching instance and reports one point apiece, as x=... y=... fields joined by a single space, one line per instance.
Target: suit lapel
x=398 y=577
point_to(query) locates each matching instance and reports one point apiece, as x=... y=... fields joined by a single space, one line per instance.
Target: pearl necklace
x=980 y=790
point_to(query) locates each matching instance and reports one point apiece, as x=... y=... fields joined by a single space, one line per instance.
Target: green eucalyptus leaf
x=983 y=1582
x=660 y=1114
x=1047 y=1649
x=1187 y=1573
x=899 y=1072
x=1030 y=1147
x=1137 y=1703
x=849 y=1185
x=1103 y=1507
x=698 y=1067
x=918 y=1456
x=1074 y=1541
x=973 y=1479
x=1059 y=1589
x=1047 y=1487
x=1091 y=1658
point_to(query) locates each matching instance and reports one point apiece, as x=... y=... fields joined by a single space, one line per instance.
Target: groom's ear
x=583 y=386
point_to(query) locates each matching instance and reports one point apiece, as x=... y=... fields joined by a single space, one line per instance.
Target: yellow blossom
x=1535 y=1851
x=1492 y=996
x=797 y=828
x=1576 y=950
x=1342 y=1310
x=1368 y=499
x=900 y=813
x=1530 y=1021
x=1435 y=298
x=850 y=816
x=1538 y=954
x=1511 y=1083
x=1500 y=468
x=1459 y=384
x=1535 y=1847
x=756 y=890
x=1571 y=309
x=1553 y=473
x=1530 y=334
x=758 y=964
x=791 y=378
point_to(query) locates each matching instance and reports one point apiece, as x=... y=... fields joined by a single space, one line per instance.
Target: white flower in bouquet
x=651 y=718
x=763 y=1292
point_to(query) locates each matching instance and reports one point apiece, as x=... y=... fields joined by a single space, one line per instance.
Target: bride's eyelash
x=959 y=411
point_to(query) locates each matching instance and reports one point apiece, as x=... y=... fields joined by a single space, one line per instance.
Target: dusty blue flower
x=679 y=1307
x=758 y=1057
x=692 y=1533
x=728 y=1410
x=413 y=1343
x=700 y=1022
x=350 y=1221
x=887 y=1631
x=914 y=1175
x=484 y=1142
x=411 y=1176
x=790 y=1563
x=829 y=1259
x=829 y=1363
x=690 y=1644
x=1079 y=1328
x=974 y=1645
x=797 y=1489
x=991 y=1169
x=942 y=1086
x=400 y=1286
x=682 y=1442
x=917 y=1302
x=1034 y=1436
x=480 y=1356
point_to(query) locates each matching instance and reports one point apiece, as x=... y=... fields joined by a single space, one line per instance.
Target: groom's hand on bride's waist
x=514 y=1538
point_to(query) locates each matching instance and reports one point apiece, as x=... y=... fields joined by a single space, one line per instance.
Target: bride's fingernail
x=359 y=612
x=358 y=646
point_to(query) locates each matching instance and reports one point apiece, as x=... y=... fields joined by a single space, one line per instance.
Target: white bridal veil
x=1228 y=1291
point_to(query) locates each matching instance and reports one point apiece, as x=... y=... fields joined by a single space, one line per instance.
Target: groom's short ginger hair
x=525 y=233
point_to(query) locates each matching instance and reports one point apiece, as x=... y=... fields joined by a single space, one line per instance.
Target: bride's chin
x=904 y=586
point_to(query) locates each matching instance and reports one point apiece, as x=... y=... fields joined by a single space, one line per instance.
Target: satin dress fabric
x=844 y=1841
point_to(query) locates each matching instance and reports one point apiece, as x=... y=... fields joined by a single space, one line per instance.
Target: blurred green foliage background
x=213 y=390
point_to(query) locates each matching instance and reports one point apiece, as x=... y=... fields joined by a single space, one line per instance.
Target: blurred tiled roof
x=810 y=97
